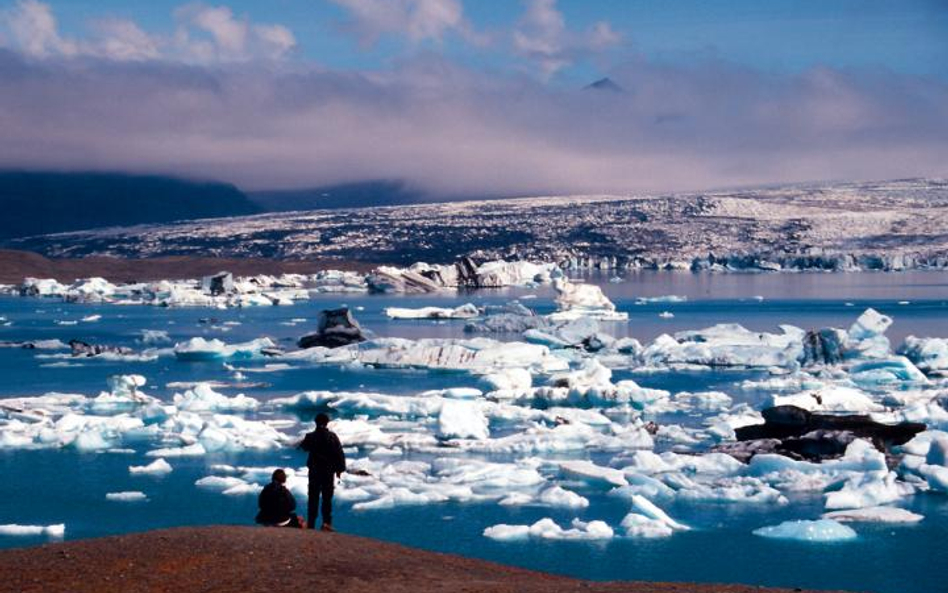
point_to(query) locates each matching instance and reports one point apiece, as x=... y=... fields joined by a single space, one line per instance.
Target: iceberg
x=548 y=529
x=199 y=349
x=575 y=300
x=928 y=354
x=56 y=531
x=462 y=420
x=204 y=399
x=874 y=515
x=128 y=496
x=467 y=311
x=726 y=345
x=822 y=530
x=647 y=520
x=158 y=467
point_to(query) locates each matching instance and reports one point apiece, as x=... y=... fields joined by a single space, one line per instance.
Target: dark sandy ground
x=257 y=559
x=17 y=265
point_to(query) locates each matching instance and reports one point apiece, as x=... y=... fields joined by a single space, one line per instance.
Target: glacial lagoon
x=440 y=508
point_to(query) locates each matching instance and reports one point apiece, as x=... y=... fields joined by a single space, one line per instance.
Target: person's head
x=322 y=420
x=279 y=476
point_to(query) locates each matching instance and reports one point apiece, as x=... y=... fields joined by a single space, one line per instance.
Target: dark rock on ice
x=80 y=348
x=337 y=327
x=218 y=284
x=823 y=346
x=818 y=444
x=821 y=436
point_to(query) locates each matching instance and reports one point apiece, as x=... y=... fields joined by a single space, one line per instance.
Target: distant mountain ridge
x=39 y=203
x=344 y=195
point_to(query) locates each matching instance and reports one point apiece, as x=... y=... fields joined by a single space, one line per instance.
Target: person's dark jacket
x=276 y=504
x=325 y=451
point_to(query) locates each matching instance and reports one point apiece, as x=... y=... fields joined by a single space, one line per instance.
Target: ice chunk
x=576 y=300
x=556 y=496
x=466 y=311
x=896 y=369
x=157 y=467
x=462 y=420
x=200 y=349
x=834 y=398
x=647 y=508
x=869 y=325
x=129 y=496
x=928 y=354
x=727 y=345
x=24 y=530
x=868 y=490
x=479 y=355
x=592 y=473
x=509 y=382
x=154 y=337
x=874 y=515
x=204 y=399
x=822 y=530
x=548 y=529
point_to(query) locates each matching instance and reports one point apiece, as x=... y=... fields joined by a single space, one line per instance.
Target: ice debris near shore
x=223 y=290
x=54 y=531
x=549 y=425
x=422 y=277
x=193 y=425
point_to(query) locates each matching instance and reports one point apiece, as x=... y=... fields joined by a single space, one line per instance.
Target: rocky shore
x=252 y=559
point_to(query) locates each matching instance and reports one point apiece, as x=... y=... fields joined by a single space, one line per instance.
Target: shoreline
x=252 y=559
x=17 y=265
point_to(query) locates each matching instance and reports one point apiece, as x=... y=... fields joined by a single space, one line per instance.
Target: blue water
x=65 y=486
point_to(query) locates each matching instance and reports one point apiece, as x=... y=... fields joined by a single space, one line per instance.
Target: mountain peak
x=604 y=84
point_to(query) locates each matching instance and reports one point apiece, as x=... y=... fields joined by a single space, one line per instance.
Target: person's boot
x=327 y=527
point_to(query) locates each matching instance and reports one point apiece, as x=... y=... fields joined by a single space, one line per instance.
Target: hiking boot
x=326 y=527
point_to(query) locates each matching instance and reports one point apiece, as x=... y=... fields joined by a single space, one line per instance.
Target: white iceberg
x=157 y=467
x=822 y=530
x=127 y=496
x=548 y=529
x=56 y=531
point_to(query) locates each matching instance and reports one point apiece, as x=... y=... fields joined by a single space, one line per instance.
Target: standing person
x=326 y=462
x=277 y=504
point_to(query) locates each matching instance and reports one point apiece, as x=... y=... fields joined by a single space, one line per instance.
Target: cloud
x=33 y=28
x=203 y=34
x=213 y=101
x=543 y=37
x=455 y=131
x=214 y=33
x=415 y=20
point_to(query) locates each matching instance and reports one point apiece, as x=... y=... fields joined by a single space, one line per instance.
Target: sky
x=478 y=97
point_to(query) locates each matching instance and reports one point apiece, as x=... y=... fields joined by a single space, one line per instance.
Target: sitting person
x=277 y=504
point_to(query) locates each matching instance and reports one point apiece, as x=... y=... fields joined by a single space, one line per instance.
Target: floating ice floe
x=822 y=530
x=480 y=355
x=647 y=520
x=727 y=345
x=928 y=354
x=874 y=515
x=467 y=311
x=56 y=531
x=199 y=349
x=548 y=529
x=158 y=467
x=576 y=300
x=128 y=496
x=204 y=399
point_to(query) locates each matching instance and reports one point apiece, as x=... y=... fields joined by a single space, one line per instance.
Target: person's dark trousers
x=321 y=483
